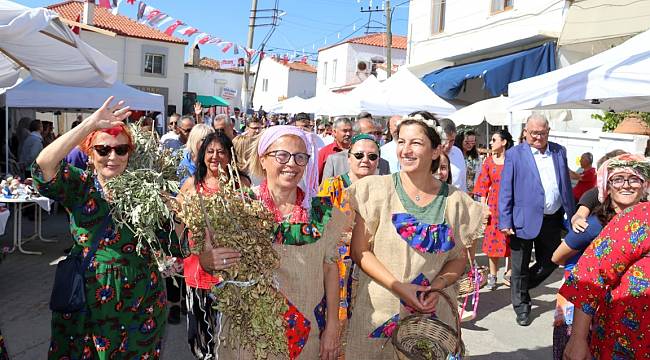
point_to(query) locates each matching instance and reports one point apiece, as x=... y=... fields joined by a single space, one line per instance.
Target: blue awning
x=497 y=73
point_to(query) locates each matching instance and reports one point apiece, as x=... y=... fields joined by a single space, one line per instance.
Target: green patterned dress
x=125 y=314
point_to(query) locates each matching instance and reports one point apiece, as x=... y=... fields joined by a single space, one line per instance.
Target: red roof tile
x=119 y=24
x=301 y=67
x=378 y=39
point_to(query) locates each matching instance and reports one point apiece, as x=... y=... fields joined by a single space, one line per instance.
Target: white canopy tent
x=402 y=94
x=617 y=79
x=32 y=93
x=350 y=103
x=291 y=105
x=38 y=41
x=494 y=111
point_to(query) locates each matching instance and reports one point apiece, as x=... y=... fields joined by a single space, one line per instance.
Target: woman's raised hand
x=108 y=116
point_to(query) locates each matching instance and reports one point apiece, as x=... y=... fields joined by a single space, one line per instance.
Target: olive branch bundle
x=248 y=295
x=140 y=197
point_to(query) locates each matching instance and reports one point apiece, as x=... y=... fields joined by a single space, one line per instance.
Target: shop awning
x=209 y=100
x=496 y=73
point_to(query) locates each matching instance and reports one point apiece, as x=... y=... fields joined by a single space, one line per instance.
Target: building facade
x=278 y=80
x=345 y=64
x=147 y=58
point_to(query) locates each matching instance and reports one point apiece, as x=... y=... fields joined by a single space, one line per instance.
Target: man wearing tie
x=535 y=196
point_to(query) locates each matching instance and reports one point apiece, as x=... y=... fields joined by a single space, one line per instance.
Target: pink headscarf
x=622 y=164
x=270 y=135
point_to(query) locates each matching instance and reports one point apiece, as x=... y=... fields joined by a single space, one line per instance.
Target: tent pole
x=6 y=140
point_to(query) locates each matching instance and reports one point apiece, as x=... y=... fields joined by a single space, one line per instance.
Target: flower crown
x=432 y=123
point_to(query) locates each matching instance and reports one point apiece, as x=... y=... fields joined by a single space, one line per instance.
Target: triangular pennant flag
x=188 y=31
x=236 y=49
x=303 y=60
x=131 y=2
x=148 y=13
x=170 y=30
x=262 y=55
x=141 y=9
x=104 y=4
x=249 y=52
x=162 y=20
x=204 y=39
x=215 y=40
x=199 y=37
x=116 y=6
x=226 y=47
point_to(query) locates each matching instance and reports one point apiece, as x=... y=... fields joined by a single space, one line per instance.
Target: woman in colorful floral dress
x=610 y=287
x=495 y=243
x=307 y=258
x=410 y=236
x=125 y=312
x=621 y=179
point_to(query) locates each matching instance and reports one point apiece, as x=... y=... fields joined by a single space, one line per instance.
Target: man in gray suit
x=337 y=164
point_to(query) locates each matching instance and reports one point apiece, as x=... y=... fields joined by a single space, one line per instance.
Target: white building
x=147 y=58
x=342 y=65
x=204 y=76
x=278 y=80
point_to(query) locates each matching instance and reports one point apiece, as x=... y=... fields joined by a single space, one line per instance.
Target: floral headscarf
x=622 y=164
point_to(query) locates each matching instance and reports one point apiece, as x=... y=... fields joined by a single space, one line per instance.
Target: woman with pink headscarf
x=622 y=184
x=286 y=156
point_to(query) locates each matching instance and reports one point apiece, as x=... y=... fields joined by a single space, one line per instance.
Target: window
x=154 y=64
x=334 y=70
x=186 y=82
x=501 y=5
x=438 y=16
x=265 y=85
x=325 y=73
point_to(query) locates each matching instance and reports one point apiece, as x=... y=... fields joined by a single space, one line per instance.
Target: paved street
x=26 y=280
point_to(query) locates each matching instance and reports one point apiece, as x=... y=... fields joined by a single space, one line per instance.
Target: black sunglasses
x=283 y=157
x=360 y=155
x=104 y=150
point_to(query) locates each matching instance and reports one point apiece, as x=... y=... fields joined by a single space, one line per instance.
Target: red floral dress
x=495 y=244
x=611 y=282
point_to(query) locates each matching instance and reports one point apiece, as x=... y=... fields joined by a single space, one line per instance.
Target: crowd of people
x=370 y=219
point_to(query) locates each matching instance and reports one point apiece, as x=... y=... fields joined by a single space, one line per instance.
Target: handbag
x=69 y=290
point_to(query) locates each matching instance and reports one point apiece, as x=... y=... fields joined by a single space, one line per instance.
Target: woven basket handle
x=454 y=311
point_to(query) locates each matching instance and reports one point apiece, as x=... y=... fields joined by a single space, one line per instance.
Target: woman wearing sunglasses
x=363 y=159
x=623 y=181
x=125 y=311
x=409 y=237
x=307 y=260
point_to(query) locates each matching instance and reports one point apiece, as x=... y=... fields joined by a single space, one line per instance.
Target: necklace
x=417 y=197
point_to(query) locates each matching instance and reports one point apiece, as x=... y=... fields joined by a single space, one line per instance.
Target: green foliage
x=612 y=119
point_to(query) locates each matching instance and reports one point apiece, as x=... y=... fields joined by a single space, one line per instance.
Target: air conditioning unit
x=363 y=67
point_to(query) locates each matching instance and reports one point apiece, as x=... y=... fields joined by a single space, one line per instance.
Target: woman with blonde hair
x=187 y=166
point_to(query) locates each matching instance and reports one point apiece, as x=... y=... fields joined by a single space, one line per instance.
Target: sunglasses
x=104 y=150
x=360 y=155
x=283 y=157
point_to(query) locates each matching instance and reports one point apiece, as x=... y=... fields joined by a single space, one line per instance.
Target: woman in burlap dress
x=307 y=260
x=410 y=236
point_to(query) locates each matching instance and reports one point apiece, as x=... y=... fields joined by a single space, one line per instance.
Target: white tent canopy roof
x=616 y=79
x=37 y=40
x=494 y=111
x=291 y=105
x=404 y=93
x=32 y=93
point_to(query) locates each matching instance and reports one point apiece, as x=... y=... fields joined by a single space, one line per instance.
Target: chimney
x=89 y=12
x=196 y=56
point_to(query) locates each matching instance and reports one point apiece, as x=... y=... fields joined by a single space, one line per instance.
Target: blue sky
x=307 y=25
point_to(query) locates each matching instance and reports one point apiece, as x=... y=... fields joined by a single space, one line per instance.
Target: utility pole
x=389 y=40
x=247 y=102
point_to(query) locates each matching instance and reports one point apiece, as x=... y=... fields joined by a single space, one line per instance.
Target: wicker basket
x=419 y=337
x=466 y=283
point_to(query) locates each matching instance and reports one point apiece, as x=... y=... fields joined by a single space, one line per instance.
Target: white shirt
x=546 y=169
x=327 y=139
x=458 y=168
x=170 y=135
x=389 y=153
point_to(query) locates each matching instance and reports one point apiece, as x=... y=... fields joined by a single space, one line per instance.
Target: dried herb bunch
x=139 y=198
x=247 y=296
